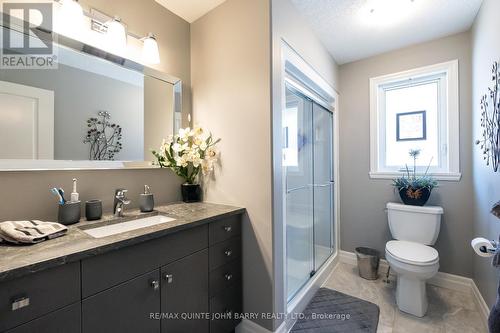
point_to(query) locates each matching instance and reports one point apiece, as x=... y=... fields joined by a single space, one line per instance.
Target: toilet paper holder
x=484 y=247
x=492 y=250
x=495 y=210
x=488 y=248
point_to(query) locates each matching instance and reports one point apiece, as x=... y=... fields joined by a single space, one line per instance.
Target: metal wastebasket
x=368 y=261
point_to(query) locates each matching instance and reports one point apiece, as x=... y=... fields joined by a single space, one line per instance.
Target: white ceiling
x=357 y=29
x=190 y=10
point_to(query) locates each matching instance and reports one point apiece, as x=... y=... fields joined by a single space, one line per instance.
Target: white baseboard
x=484 y=309
x=248 y=326
x=350 y=258
x=443 y=280
x=298 y=304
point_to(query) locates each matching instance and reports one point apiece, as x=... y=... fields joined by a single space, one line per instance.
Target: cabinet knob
x=155 y=284
x=228 y=253
x=228 y=228
x=20 y=303
x=169 y=278
x=228 y=276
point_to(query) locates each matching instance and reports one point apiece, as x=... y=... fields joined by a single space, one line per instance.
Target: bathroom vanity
x=180 y=276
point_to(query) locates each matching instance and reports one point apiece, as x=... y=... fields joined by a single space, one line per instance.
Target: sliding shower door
x=308 y=171
x=298 y=162
x=323 y=185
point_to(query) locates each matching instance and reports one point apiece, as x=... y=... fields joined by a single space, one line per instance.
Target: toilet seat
x=412 y=253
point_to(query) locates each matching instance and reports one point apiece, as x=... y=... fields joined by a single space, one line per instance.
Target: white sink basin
x=121 y=227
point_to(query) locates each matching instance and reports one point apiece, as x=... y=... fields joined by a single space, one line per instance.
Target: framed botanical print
x=411 y=126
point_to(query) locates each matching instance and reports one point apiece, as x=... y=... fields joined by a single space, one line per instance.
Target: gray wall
x=171 y=31
x=231 y=87
x=363 y=220
x=28 y=196
x=231 y=96
x=289 y=26
x=486 y=49
x=79 y=95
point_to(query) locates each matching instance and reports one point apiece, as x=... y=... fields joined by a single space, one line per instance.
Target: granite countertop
x=19 y=260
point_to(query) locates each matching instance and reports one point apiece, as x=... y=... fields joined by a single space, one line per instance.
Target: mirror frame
x=78 y=46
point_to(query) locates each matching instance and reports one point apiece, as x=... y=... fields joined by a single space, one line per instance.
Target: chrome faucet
x=120 y=202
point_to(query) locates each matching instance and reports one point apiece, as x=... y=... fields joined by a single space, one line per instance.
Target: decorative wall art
x=103 y=137
x=490 y=121
x=411 y=126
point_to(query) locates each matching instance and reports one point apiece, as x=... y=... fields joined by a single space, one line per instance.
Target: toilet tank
x=414 y=223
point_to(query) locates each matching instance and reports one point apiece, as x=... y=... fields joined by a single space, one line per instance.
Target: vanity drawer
x=35 y=295
x=225 y=252
x=224 y=229
x=223 y=308
x=66 y=320
x=105 y=271
x=225 y=276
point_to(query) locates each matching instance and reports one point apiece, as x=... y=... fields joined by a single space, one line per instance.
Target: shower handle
x=308 y=186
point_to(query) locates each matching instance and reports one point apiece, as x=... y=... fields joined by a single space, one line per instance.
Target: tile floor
x=449 y=310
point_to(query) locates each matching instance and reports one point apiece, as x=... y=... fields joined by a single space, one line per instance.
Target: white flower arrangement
x=188 y=153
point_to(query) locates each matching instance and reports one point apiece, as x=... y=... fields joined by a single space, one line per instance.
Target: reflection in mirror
x=87 y=109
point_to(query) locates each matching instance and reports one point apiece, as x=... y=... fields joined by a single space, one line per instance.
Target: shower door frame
x=300 y=91
x=294 y=70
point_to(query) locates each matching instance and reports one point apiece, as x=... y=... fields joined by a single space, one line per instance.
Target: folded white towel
x=30 y=232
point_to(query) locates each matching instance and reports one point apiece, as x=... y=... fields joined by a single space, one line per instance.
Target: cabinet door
x=129 y=307
x=66 y=320
x=184 y=294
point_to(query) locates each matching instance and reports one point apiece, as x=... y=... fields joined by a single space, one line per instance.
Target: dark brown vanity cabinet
x=184 y=295
x=33 y=296
x=225 y=274
x=169 y=299
x=124 y=308
x=65 y=320
x=188 y=281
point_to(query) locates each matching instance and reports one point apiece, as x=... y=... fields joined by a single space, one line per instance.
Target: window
x=416 y=109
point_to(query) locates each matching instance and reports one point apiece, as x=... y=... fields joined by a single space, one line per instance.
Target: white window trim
x=453 y=115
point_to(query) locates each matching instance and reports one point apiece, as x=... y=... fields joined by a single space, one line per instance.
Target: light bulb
x=117 y=35
x=150 y=52
x=70 y=19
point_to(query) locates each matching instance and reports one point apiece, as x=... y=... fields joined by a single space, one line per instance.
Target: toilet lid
x=412 y=253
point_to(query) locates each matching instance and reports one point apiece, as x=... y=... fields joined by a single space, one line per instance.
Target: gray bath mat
x=332 y=312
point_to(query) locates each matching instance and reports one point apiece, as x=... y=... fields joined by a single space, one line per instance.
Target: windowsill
x=449 y=176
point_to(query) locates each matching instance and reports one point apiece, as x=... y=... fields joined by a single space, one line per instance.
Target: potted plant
x=413 y=189
x=187 y=154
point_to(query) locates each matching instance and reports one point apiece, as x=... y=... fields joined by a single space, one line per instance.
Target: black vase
x=415 y=197
x=191 y=192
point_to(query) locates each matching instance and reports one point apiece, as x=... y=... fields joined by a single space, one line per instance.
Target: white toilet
x=414 y=228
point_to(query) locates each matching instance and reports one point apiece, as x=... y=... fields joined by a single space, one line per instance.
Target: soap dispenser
x=146 y=200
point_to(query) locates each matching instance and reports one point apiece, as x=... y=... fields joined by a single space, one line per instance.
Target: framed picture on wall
x=411 y=126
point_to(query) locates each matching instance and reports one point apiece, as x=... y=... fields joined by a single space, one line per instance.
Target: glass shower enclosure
x=309 y=190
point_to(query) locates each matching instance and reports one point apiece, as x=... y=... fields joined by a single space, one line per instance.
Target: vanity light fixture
x=117 y=34
x=150 y=52
x=71 y=21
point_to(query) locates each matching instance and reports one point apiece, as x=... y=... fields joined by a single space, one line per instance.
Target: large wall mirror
x=93 y=111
